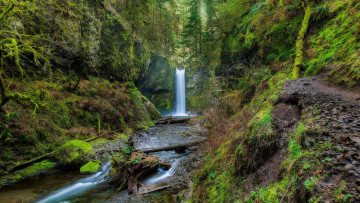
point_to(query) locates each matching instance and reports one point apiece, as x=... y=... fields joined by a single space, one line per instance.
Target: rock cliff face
x=81 y=37
x=158 y=83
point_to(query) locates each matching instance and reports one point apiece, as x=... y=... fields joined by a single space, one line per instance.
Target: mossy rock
x=90 y=167
x=27 y=172
x=73 y=152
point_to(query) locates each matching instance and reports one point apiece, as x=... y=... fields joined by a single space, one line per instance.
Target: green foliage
x=336 y=44
x=128 y=149
x=310 y=183
x=134 y=160
x=341 y=194
x=272 y=193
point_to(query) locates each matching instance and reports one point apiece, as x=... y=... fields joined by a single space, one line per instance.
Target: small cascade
x=162 y=178
x=180 y=103
x=164 y=175
x=78 y=187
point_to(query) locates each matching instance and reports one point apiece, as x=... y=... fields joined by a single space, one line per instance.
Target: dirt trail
x=338 y=114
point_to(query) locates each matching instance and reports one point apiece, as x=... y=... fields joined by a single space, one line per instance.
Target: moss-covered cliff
x=158 y=83
x=67 y=72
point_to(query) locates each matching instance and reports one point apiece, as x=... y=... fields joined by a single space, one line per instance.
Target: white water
x=78 y=187
x=180 y=102
x=164 y=175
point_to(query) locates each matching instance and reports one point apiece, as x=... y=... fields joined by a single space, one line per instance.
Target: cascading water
x=162 y=177
x=78 y=187
x=180 y=103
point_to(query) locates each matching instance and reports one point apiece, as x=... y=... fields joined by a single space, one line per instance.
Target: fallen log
x=153 y=190
x=28 y=163
x=172 y=147
x=171 y=120
x=179 y=120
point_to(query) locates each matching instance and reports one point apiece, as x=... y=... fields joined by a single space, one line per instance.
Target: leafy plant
x=134 y=160
x=315 y=199
x=341 y=193
x=212 y=175
x=310 y=183
x=128 y=149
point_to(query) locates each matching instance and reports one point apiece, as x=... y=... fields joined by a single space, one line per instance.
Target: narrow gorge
x=179 y=101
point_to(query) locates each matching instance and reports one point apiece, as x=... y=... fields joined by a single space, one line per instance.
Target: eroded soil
x=337 y=113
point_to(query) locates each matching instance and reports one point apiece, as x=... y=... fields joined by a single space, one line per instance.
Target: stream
x=71 y=186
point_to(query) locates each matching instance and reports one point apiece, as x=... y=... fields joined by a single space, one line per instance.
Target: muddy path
x=337 y=112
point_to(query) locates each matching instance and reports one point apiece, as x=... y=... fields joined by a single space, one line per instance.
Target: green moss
x=32 y=170
x=272 y=193
x=90 y=167
x=142 y=108
x=72 y=151
x=335 y=45
x=300 y=39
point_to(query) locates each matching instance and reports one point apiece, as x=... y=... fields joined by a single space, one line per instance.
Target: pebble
x=350 y=167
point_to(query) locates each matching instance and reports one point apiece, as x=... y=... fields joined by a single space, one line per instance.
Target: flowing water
x=66 y=186
x=180 y=102
x=79 y=187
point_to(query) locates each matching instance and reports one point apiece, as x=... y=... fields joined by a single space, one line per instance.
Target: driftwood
x=154 y=190
x=171 y=120
x=173 y=147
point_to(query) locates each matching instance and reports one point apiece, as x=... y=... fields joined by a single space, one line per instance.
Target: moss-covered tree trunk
x=300 y=40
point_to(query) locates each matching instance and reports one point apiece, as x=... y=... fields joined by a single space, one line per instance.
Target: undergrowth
x=97 y=105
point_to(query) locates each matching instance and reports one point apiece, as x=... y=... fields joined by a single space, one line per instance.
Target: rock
x=350 y=167
x=355 y=139
x=73 y=152
x=338 y=127
x=352 y=172
x=90 y=167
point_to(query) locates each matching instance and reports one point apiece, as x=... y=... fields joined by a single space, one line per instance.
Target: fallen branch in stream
x=173 y=147
x=170 y=120
x=154 y=190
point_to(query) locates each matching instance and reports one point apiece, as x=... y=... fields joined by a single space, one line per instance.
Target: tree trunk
x=173 y=147
x=300 y=40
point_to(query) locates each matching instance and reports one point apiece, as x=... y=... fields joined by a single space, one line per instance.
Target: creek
x=71 y=186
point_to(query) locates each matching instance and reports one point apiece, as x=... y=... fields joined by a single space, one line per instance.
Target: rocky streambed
x=165 y=184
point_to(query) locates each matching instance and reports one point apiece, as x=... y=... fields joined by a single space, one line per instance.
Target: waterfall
x=180 y=103
x=78 y=187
